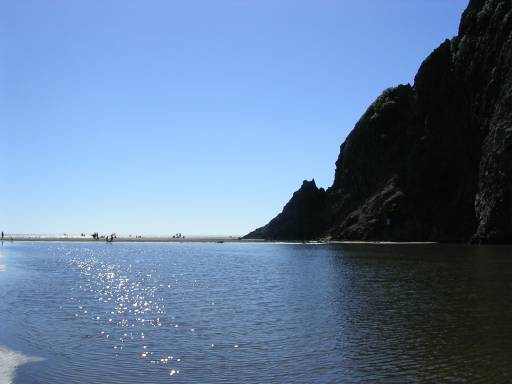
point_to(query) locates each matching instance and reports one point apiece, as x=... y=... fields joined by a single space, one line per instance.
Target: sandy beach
x=198 y=239
x=130 y=239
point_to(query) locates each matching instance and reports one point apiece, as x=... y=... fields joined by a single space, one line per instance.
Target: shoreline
x=122 y=239
x=213 y=239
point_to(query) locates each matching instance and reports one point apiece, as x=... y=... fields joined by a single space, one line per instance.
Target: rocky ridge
x=430 y=161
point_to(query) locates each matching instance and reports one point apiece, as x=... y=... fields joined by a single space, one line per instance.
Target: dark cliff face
x=428 y=162
x=302 y=218
x=483 y=61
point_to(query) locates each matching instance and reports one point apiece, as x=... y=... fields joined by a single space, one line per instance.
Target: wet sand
x=9 y=361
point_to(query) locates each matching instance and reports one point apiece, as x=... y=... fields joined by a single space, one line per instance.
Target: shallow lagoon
x=260 y=313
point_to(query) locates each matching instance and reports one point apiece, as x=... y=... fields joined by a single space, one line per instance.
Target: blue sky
x=200 y=117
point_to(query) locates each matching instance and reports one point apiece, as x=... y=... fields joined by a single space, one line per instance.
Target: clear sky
x=200 y=117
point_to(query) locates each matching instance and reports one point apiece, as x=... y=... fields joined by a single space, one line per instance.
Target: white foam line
x=9 y=361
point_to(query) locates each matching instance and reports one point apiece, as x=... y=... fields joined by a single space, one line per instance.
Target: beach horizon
x=195 y=239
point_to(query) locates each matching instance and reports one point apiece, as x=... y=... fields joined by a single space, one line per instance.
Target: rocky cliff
x=427 y=162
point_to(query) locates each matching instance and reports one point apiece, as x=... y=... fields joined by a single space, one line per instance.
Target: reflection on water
x=228 y=313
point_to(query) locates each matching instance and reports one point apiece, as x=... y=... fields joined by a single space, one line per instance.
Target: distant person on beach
x=2 y=235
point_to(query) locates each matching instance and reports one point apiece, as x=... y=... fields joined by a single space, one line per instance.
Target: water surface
x=257 y=313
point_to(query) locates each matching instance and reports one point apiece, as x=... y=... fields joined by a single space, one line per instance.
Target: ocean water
x=254 y=313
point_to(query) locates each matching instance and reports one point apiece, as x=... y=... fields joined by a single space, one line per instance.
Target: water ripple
x=258 y=313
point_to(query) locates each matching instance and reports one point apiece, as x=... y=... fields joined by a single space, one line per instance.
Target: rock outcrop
x=302 y=218
x=427 y=162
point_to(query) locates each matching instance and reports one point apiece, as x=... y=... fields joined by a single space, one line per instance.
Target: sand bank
x=205 y=239
x=133 y=239
x=9 y=361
